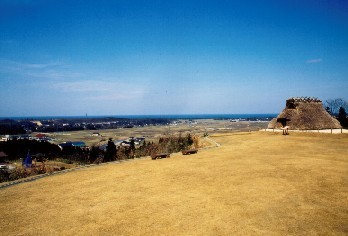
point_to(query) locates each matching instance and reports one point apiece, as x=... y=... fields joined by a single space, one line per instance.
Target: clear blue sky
x=169 y=57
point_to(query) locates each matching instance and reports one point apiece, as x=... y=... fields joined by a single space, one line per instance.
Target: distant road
x=212 y=141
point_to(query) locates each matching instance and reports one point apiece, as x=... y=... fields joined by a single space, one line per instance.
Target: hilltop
x=254 y=183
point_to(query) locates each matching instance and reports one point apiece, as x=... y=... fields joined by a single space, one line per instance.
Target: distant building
x=127 y=143
x=40 y=135
x=17 y=137
x=72 y=144
x=139 y=141
x=118 y=142
x=3 y=139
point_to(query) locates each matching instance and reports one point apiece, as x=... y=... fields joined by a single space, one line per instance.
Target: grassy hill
x=258 y=183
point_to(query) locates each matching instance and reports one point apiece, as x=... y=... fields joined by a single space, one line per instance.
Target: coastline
x=260 y=116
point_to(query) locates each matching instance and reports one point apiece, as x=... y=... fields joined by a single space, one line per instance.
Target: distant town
x=26 y=126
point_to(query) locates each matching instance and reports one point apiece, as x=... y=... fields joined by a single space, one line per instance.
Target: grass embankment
x=259 y=183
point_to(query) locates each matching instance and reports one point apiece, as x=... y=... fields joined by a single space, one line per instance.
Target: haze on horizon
x=169 y=57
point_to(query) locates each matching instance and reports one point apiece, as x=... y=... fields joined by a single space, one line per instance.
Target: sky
x=132 y=57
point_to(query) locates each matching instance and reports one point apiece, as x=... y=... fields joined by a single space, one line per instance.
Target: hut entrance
x=283 y=121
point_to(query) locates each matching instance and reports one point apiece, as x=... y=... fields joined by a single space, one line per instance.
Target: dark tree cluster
x=111 y=151
x=169 y=144
x=16 y=149
x=95 y=155
x=333 y=106
x=342 y=117
x=11 y=127
x=173 y=144
x=338 y=107
x=74 y=154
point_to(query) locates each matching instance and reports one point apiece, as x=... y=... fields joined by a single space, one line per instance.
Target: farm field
x=258 y=183
x=152 y=133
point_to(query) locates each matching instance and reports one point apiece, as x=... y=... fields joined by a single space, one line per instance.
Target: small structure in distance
x=304 y=113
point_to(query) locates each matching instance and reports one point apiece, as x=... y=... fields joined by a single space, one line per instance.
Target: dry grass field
x=257 y=183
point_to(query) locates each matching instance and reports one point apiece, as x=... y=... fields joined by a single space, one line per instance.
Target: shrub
x=21 y=172
x=168 y=144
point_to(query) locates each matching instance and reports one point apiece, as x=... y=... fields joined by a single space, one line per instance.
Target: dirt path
x=212 y=142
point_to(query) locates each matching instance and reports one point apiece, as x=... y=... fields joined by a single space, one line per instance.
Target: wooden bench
x=160 y=155
x=189 y=152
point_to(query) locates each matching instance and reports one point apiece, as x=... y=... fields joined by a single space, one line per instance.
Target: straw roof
x=304 y=113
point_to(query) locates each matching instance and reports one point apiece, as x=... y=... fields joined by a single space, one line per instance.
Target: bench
x=160 y=155
x=189 y=152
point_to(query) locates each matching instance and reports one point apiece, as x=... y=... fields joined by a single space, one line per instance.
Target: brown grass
x=258 y=183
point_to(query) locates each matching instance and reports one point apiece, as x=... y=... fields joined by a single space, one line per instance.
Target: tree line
x=338 y=108
x=18 y=148
x=43 y=151
x=167 y=144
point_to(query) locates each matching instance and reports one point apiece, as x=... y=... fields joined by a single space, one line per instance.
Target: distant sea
x=181 y=116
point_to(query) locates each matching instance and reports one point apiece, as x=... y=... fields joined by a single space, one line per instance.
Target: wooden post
x=341 y=130
x=331 y=130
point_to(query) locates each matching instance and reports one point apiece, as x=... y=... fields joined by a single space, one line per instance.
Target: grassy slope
x=259 y=183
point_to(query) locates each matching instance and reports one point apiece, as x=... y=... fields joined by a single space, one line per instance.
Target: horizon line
x=136 y=115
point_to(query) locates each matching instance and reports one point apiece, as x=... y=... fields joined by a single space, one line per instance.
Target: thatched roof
x=304 y=114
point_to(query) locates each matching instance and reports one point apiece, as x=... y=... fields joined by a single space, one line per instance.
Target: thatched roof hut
x=304 y=113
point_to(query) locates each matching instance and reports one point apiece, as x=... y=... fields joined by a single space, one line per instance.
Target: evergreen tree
x=189 y=140
x=342 y=117
x=131 y=149
x=94 y=153
x=110 y=154
x=132 y=145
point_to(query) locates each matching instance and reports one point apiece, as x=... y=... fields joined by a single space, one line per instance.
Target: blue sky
x=169 y=57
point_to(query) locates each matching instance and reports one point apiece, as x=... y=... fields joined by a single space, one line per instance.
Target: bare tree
x=333 y=105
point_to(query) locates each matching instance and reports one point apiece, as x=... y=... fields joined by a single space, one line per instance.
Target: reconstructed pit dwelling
x=304 y=113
